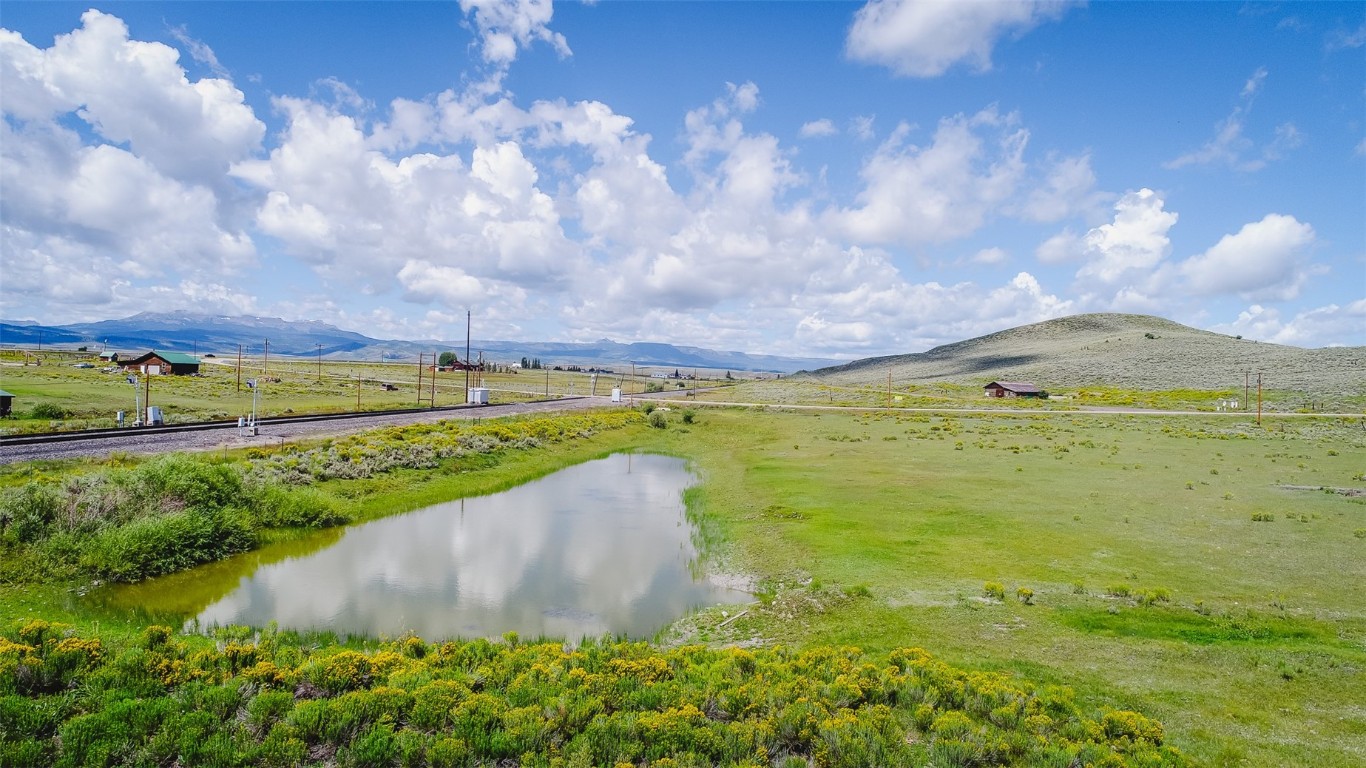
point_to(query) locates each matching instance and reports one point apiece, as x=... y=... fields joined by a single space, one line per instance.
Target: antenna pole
x=467 y=355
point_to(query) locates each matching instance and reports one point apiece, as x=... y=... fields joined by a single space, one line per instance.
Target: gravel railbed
x=226 y=437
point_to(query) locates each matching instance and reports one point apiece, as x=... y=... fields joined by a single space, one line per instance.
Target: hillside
x=1132 y=351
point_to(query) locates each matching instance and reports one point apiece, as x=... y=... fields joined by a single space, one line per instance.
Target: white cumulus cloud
x=924 y=38
x=1263 y=260
x=1135 y=242
x=505 y=26
x=818 y=129
x=940 y=191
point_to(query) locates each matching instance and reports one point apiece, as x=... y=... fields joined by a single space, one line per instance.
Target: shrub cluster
x=426 y=446
x=177 y=511
x=67 y=700
x=167 y=514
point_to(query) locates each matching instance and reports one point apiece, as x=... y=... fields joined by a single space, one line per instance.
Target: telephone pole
x=467 y=355
x=320 y=363
x=1259 y=398
x=239 y=367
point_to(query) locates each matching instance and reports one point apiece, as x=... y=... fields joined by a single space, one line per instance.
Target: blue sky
x=807 y=178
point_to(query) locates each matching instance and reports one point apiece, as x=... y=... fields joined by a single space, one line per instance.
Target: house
x=1013 y=389
x=156 y=363
x=109 y=357
x=6 y=403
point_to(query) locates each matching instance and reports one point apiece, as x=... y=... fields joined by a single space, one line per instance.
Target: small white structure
x=154 y=416
x=616 y=394
x=478 y=396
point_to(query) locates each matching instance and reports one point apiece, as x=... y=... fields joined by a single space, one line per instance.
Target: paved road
x=226 y=437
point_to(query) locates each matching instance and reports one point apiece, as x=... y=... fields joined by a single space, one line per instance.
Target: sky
x=820 y=179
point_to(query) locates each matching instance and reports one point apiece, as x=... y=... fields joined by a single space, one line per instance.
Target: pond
x=604 y=547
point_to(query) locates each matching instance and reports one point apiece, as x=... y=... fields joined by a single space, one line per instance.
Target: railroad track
x=199 y=426
x=214 y=435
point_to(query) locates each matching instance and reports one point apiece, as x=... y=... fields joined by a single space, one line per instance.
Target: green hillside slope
x=1134 y=351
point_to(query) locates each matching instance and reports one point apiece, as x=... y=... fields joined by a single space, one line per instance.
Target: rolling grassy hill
x=1131 y=351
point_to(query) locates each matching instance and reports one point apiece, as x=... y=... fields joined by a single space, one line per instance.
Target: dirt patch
x=1325 y=489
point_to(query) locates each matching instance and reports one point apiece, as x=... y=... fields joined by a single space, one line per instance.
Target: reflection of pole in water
x=628 y=463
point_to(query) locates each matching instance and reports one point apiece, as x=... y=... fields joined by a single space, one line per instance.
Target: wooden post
x=239 y=367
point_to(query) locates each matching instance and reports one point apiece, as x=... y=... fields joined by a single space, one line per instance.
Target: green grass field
x=1171 y=567
x=1244 y=636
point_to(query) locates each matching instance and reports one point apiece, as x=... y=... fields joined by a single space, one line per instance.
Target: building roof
x=174 y=358
x=3 y=393
x=1018 y=387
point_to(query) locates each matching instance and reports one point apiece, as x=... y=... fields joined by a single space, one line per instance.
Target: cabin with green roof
x=156 y=363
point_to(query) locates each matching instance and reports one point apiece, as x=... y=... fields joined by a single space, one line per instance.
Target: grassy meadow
x=1191 y=569
x=1168 y=568
x=55 y=396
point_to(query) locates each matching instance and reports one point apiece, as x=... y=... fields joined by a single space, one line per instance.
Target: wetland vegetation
x=1170 y=580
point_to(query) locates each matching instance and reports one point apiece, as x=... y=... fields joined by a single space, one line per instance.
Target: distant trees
x=447 y=358
x=532 y=362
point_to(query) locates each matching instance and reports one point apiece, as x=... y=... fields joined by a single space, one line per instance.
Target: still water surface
x=601 y=547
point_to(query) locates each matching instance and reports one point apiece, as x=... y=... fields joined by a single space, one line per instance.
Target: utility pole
x=633 y=382
x=320 y=363
x=239 y=367
x=265 y=364
x=137 y=404
x=889 y=389
x=146 y=396
x=433 y=398
x=357 y=391
x=1246 y=375
x=467 y=355
x=547 y=382
x=1259 y=398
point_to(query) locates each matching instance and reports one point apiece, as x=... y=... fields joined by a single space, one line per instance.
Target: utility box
x=478 y=396
x=155 y=418
x=616 y=394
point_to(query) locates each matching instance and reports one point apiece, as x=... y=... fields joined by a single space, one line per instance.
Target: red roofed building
x=1013 y=389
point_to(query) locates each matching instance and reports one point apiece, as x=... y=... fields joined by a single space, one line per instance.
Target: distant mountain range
x=218 y=334
x=1134 y=351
